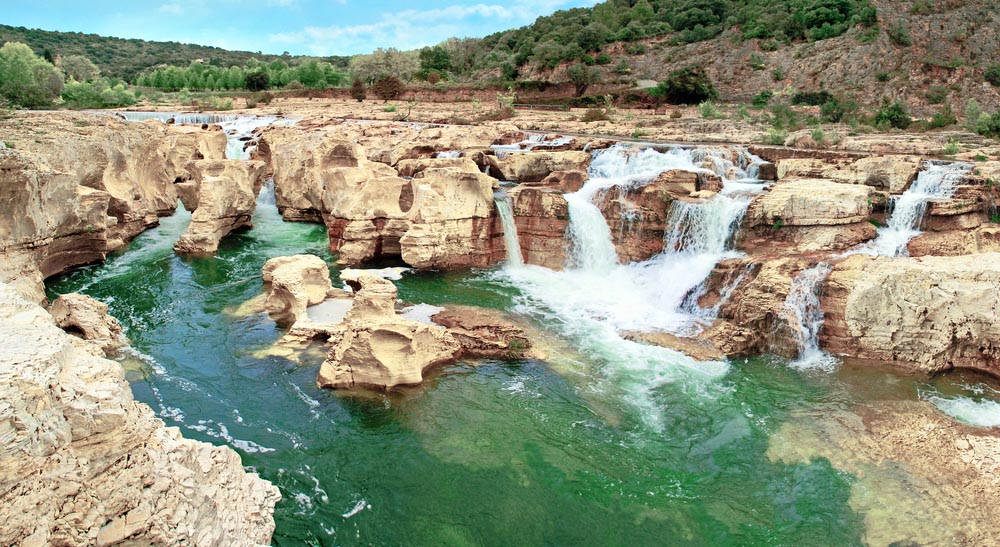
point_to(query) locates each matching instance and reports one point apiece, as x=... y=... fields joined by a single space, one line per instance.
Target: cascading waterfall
x=240 y=138
x=802 y=304
x=505 y=209
x=908 y=210
x=596 y=300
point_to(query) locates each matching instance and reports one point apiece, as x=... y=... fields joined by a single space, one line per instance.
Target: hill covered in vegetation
x=127 y=58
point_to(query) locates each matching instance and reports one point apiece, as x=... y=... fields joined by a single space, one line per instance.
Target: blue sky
x=301 y=27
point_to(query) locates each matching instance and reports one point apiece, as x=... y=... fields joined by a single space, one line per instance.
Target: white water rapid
x=803 y=308
x=597 y=300
x=908 y=209
x=505 y=209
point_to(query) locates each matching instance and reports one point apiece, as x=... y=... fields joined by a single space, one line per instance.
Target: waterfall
x=908 y=209
x=802 y=304
x=596 y=300
x=505 y=209
x=240 y=138
x=266 y=196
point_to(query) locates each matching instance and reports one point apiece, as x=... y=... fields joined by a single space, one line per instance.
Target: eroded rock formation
x=81 y=315
x=293 y=283
x=85 y=464
x=929 y=313
x=78 y=186
x=377 y=348
x=225 y=197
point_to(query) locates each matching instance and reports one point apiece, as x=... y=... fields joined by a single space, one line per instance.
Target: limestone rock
x=379 y=349
x=541 y=216
x=292 y=284
x=451 y=221
x=535 y=166
x=78 y=186
x=929 y=313
x=227 y=197
x=82 y=315
x=484 y=333
x=85 y=464
x=565 y=181
x=410 y=168
x=810 y=202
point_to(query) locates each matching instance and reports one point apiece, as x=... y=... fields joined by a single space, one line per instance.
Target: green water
x=488 y=453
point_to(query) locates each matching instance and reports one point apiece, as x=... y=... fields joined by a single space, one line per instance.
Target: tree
x=358 y=90
x=435 y=58
x=582 y=76
x=258 y=81
x=388 y=88
x=686 y=86
x=26 y=79
x=592 y=37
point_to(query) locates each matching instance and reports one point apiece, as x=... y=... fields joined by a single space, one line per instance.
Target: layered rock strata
x=78 y=186
x=85 y=464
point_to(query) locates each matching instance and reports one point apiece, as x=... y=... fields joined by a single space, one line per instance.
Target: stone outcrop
x=931 y=313
x=84 y=464
x=442 y=218
x=541 y=216
x=535 y=166
x=411 y=168
x=888 y=174
x=564 y=181
x=293 y=283
x=81 y=315
x=226 y=199
x=810 y=202
x=484 y=333
x=376 y=348
x=78 y=186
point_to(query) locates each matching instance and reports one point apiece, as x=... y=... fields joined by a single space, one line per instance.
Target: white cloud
x=173 y=9
x=412 y=29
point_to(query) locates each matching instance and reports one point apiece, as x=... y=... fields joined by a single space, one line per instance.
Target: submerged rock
x=85 y=464
x=484 y=333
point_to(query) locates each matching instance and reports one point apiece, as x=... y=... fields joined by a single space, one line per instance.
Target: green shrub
x=989 y=126
x=97 y=94
x=993 y=75
x=944 y=117
x=838 y=110
x=777 y=74
x=686 y=86
x=603 y=59
x=390 y=108
x=973 y=111
x=784 y=117
x=26 y=79
x=709 y=110
x=952 y=147
x=622 y=68
x=936 y=94
x=756 y=61
x=776 y=137
x=761 y=99
x=257 y=80
x=892 y=115
x=811 y=98
x=882 y=76
x=818 y=136
x=979 y=157
x=899 y=34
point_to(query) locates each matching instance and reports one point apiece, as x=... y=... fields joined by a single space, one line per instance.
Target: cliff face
x=77 y=186
x=82 y=463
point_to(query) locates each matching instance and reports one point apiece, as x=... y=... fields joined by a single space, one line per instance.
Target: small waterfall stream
x=803 y=306
x=505 y=209
x=908 y=209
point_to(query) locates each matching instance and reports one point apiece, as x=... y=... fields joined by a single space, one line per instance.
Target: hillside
x=125 y=58
x=922 y=53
